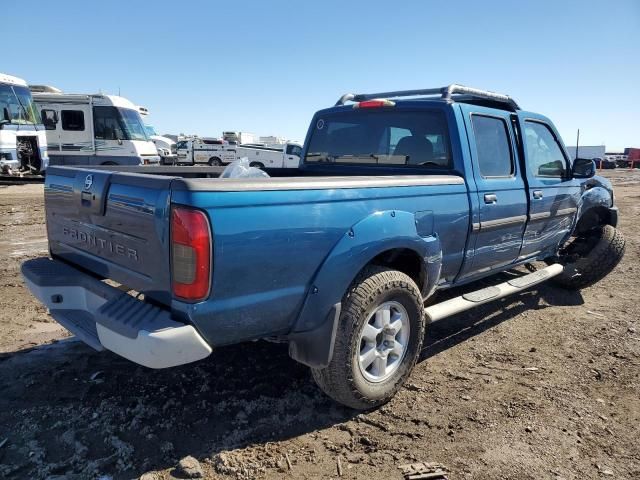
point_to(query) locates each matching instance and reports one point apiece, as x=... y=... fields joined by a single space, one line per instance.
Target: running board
x=467 y=301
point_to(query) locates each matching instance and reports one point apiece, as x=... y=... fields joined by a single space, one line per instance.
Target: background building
x=587 y=151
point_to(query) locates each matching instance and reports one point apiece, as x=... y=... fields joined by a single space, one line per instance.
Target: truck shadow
x=458 y=328
x=68 y=410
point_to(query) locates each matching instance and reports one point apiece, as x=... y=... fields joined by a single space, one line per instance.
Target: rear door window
x=493 y=146
x=381 y=137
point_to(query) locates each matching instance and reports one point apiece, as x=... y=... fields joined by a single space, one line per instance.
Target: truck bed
x=119 y=228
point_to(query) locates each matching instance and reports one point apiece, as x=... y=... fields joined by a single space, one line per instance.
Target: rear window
x=381 y=137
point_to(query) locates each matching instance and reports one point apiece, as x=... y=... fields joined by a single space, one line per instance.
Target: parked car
x=395 y=200
x=604 y=163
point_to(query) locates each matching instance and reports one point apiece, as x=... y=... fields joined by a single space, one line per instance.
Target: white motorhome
x=23 y=142
x=166 y=147
x=93 y=129
x=216 y=152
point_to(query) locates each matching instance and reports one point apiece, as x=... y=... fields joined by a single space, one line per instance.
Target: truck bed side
x=278 y=235
x=282 y=247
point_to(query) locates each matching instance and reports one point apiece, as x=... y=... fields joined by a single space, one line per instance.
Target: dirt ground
x=541 y=385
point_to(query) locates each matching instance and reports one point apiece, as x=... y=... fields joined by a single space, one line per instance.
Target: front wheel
x=590 y=257
x=378 y=339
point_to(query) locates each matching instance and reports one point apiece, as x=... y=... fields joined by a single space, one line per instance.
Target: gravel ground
x=540 y=385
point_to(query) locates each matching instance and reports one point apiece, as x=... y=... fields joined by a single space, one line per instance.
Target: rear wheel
x=378 y=339
x=215 y=162
x=590 y=257
x=257 y=165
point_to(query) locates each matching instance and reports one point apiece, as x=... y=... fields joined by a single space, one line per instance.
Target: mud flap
x=314 y=348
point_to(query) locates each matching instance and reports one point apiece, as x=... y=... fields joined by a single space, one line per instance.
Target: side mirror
x=583 y=168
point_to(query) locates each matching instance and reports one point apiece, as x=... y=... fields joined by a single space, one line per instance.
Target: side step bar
x=467 y=301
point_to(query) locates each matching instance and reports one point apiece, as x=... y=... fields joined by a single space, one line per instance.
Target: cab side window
x=294 y=150
x=544 y=154
x=106 y=124
x=495 y=157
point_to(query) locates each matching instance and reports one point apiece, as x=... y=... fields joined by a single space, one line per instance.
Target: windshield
x=381 y=137
x=150 y=130
x=112 y=123
x=16 y=106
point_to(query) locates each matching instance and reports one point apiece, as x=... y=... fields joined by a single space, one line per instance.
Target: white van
x=93 y=129
x=23 y=142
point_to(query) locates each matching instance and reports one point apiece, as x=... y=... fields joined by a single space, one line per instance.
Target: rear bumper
x=106 y=317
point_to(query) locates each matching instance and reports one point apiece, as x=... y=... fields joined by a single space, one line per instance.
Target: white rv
x=23 y=143
x=93 y=129
x=217 y=152
x=166 y=147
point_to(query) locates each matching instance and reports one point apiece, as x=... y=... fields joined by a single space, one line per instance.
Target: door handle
x=537 y=194
x=490 y=198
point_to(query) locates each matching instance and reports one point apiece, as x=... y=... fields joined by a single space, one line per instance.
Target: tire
x=591 y=257
x=108 y=163
x=215 y=162
x=344 y=379
x=257 y=165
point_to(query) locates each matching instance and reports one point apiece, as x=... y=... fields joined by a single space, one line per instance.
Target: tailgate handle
x=90 y=189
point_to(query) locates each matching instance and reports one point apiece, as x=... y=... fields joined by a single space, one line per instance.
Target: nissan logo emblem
x=88 y=182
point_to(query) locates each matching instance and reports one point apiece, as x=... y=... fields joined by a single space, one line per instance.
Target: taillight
x=190 y=254
x=380 y=102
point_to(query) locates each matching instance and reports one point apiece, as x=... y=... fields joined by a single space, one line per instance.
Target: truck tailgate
x=115 y=225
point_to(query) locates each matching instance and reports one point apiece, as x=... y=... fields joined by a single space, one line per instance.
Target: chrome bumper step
x=470 y=300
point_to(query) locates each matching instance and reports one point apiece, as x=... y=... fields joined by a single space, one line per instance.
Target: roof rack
x=446 y=93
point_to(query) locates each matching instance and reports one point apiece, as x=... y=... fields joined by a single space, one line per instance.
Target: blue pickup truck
x=398 y=195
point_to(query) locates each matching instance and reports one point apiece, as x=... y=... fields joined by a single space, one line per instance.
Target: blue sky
x=265 y=67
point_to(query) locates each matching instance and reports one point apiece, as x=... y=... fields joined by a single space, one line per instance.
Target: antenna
x=119 y=91
x=577 y=143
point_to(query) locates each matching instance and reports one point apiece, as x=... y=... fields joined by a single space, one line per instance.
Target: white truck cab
x=23 y=142
x=93 y=129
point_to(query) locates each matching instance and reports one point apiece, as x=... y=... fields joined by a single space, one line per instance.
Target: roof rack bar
x=444 y=92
